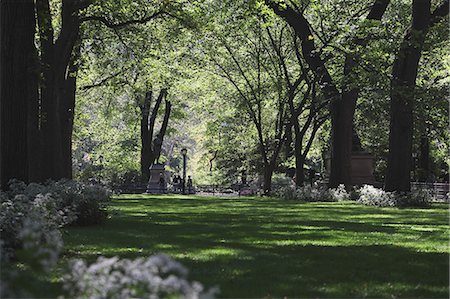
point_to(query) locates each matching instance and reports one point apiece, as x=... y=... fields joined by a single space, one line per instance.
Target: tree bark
x=151 y=148
x=158 y=141
x=17 y=64
x=145 y=138
x=404 y=73
x=344 y=110
x=267 y=178
x=67 y=115
x=55 y=60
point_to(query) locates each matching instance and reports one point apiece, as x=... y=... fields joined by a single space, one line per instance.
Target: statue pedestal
x=154 y=185
x=362 y=168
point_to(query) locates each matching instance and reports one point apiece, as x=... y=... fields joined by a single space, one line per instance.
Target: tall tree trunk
x=267 y=178
x=34 y=133
x=55 y=59
x=151 y=148
x=17 y=28
x=158 y=141
x=299 y=170
x=404 y=73
x=145 y=138
x=343 y=111
x=67 y=114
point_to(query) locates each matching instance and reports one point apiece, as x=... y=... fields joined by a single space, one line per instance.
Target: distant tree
x=342 y=103
x=151 y=143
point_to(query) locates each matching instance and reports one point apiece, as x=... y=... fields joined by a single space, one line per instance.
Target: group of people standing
x=177 y=183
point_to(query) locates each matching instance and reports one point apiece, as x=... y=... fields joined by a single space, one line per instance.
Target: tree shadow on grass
x=324 y=271
x=251 y=249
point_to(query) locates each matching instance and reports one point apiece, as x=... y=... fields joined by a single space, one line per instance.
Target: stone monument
x=361 y=163
x=362 y=168
x=157 y=184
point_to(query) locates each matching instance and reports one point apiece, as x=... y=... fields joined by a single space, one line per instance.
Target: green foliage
x=185 y=50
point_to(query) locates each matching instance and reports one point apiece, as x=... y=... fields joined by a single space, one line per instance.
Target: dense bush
x=48 y=207
x=157 y=276
x=312 y=193
x=367 y=195
x=372 y=196
x=86 y=202
x=21 y=215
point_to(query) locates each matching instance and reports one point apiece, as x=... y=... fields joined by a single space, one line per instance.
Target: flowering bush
x=46 y=208
x=30 y=245
x=82 y=204
x=372 y=196
x=311 y=193
x=289 y=193
x=24 y=221
x=339 y=193
x=153 y=277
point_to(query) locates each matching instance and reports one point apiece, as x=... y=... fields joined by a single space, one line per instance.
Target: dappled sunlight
x=281 y=248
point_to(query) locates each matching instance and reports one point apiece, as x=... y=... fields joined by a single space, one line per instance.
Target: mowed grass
x=262 y=247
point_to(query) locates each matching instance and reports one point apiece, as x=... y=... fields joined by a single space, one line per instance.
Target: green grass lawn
x=260 y=247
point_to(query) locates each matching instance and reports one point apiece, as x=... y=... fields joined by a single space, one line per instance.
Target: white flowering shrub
x=372 y=196
x=305 y=193
x=29 y=249
x=83 y=204
x=339 y=193
x=313 y=193
x=20 y=215
x=154 y=277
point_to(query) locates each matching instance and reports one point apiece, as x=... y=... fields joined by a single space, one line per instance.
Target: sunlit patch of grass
x=263 y=247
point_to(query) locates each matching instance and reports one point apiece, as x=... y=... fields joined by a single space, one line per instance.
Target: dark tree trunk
x=34 y=140
x=158 y=141
x=404 y=73
x=17 y=58
x=289 y=150
x=55 y=59
x=343 y=111
x=151 y=148
x=145 y=138
x=341 y=141
x=67 y=114
x=299 y=170
x=267 y=178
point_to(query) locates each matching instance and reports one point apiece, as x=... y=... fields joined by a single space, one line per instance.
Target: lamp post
x=184 y=152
